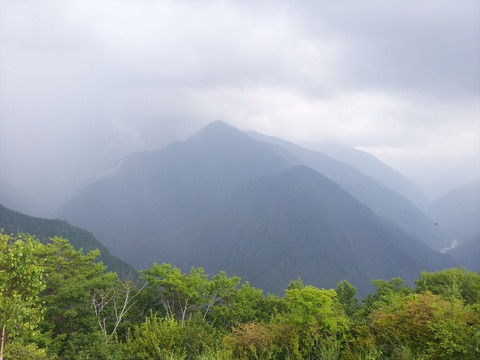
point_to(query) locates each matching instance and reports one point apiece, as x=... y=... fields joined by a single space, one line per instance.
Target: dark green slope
x=142 y=211
x=299 y=223
x=379 y=198
x=13 y=222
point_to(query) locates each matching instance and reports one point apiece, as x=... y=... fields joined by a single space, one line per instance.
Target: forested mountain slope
x=382 y=200
x=13 y=222
x=301 y=224
x=177 y=205
x=152 y=197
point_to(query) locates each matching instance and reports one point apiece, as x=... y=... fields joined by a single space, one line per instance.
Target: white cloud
x=100 y=79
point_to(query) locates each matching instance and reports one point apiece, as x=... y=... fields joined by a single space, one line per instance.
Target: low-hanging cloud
x=85 y=83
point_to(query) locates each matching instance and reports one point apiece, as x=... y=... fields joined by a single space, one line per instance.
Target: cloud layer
x=84 y=83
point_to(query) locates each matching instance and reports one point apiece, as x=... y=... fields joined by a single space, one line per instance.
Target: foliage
x=385 y=291
x=347 y=297
x=318 y=317
x=428 y=326
x=457 y=283
x=168 y=338
x=20 y=285
x=71 y=277
x=60 y=303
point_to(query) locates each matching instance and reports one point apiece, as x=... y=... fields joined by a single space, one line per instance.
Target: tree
x=427 y=326
x=71 y=277
x=457 y=283
x=112 y=304
x=181 y=295
x=221 y=290
x=347 y=297
x=385 y=292
x=177 y=293
x=245 y=304
x=20 y=286
x=318 y=317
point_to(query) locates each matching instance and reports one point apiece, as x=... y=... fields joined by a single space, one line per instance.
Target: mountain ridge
x=165 y=205
x=14 y=222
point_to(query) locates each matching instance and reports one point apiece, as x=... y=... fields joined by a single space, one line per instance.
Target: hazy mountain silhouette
x=13 y=222
x=370 y=191
x=467 y=254
x=457 y=213
x=371 y=166
x=151 y=196
x=202 y=202
x=301 y=224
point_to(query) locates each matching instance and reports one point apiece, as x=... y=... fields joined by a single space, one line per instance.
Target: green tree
x=246 y=304
x=112 y=304
x=71 y=278
x=20 y=286
x=427 y=326
x=458 y=283
x=182 y=295
x=318 y=317
x=347 y=297
x=177 y=293
x=168 y=338
x=385 y=292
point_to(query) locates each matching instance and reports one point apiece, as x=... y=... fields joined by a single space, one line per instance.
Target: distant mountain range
x=14 y=222
x=467 y=254
x=266 y=210
x=457 y=213
x=369 y=165
x=381 y=199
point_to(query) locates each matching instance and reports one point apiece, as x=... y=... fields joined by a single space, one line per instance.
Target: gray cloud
x=85 y=83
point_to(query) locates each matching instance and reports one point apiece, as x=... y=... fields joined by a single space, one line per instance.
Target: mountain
x=457 y=213
x=200 y=202
x=438 y=184
x=301 y=224
x=151 y=197
x=370 y=191
x=371 y=166
x=13 y=222
x=467 y=254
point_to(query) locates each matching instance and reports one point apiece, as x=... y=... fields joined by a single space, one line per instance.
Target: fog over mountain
x=85 y=83
x=267 y=212
x=457 y=213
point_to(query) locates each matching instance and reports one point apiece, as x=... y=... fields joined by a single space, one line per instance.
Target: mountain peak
x=219 y=130
x=218 y=124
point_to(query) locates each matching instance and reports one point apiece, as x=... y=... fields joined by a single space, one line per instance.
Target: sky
x=83 y=83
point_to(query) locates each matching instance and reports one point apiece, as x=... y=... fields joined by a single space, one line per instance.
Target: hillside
x=173 y=205
x=13 y=222
x=468 y=254
x=382 y=200
x=151 y=197
x=301 y=224
x=457 y=213
x=371 y=166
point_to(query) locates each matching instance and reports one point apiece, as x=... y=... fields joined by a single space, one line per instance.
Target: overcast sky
x=82 y=83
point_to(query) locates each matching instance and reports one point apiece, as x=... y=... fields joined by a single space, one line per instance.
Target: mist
x=83 y=84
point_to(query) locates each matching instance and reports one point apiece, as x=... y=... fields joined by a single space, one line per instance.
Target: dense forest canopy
x=60 y=303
